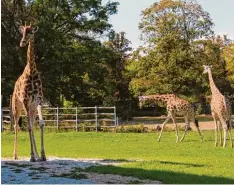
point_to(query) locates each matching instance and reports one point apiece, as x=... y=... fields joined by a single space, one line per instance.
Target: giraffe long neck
x=31 y=56
x=213 y=87
x=159 y=98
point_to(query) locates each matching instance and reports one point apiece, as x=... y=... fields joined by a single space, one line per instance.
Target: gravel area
x=61 y=171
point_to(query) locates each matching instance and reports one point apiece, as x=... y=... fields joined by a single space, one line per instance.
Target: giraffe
x=28 y=95
x=220 y=110
x=175 y=106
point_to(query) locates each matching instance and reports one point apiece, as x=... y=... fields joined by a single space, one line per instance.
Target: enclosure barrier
x=73 y=117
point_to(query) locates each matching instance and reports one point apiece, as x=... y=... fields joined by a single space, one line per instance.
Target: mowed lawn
x=191 y=161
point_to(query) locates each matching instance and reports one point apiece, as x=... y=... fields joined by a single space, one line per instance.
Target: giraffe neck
x=213 y=88
x=31 y=65
x=159 y=98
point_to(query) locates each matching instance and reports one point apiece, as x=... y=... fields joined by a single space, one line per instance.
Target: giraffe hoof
x=15 y=158
x=43 y=158
x=32 y=159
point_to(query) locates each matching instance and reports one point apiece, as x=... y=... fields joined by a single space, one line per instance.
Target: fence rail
x=78 y=115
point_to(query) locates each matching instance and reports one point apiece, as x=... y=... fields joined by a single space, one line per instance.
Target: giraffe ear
x=35 y=30
x=21 y=29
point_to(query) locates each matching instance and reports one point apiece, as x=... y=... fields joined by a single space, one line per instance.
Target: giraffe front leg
x=176 y=128
x=220 y=130
x=216 y=131
x=15 y=157
x=186 y=128
x=32 y=116
x=164 y=123
x=42 y=124
x=32 y=159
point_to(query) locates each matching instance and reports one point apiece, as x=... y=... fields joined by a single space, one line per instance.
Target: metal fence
x=73 y=117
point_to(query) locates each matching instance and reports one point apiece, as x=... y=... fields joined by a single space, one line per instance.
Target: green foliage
x=87 y=127
x=69 y=55
x=169 y=63
x=131 y=128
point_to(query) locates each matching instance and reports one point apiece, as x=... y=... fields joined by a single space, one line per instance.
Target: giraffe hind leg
x=230 y=131
x=197 y=127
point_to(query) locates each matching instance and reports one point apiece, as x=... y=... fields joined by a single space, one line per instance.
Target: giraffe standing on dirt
x=175 y=106
x=220 y=110
x=28 y=95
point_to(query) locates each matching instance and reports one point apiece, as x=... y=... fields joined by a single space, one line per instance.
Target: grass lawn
x=191 y=161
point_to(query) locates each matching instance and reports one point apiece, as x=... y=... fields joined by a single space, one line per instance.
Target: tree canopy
x=84 y=62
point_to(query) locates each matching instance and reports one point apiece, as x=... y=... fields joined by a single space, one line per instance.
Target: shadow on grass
x=161 y=175
x=105 y=167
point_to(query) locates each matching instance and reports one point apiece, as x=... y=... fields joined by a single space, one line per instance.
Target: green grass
x=191 y=161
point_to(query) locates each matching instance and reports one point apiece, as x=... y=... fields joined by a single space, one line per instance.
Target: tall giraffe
x=28 y=95
x=175 y=106
x=220 y=109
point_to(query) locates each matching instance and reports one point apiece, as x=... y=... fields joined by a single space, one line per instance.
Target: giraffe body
x=28 y=96
x=220 y=110
x=175 y=106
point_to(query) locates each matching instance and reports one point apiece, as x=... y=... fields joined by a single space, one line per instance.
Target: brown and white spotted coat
x=175 y=106
x=220 y=110
x=28 y=95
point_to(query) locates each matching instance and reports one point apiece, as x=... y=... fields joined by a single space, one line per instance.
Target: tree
x=69 y=54
x=120 y=49
x=169 y=62
x=228 y=54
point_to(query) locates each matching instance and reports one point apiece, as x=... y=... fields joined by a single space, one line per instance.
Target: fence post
x=1 y=116
x=11 y=113
x=96 y=118
x=57 y=118
x=115 y=115
x=76 y=121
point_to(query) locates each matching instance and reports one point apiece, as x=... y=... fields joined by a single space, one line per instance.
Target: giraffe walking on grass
x=220 y=110
x=28 y=95
x=175 y=106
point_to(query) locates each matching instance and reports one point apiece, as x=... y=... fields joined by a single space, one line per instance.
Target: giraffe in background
x=175 y=106
x=28 y=95
x=220 y=109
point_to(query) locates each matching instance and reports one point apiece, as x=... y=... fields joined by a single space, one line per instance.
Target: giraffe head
x=28 y=33
x=206 y=69
x=141 y=101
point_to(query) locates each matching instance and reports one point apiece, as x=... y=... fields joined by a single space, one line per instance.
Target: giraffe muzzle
x=22 y=43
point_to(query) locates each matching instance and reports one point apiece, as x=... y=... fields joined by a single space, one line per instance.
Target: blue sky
x=128 y=17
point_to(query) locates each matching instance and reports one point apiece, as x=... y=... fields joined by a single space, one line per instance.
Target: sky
x=129 y=16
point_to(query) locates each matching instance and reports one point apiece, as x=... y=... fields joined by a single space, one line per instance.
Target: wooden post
x=115 y=116
x=76 y=120
x=96 y=118
x=57 y=118
x=11 y=114
x=1 y=116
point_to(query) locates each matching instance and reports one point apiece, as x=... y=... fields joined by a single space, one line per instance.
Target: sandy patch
x=62 y=171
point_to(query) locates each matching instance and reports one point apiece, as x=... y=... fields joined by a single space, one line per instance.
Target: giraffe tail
x=196 y=123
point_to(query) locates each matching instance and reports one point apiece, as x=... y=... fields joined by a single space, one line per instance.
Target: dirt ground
x=61 y=171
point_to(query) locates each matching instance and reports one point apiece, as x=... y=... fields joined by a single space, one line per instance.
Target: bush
x=132 y=128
